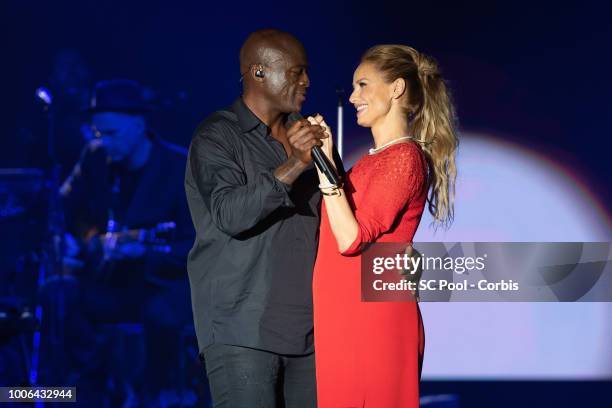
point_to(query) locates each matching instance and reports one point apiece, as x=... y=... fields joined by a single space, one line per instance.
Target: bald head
x=273 y=66
x=267 y=47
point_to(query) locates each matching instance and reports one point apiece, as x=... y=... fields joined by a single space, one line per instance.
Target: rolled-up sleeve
x=235 y=202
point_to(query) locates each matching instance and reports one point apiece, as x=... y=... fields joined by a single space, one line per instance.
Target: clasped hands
x=307 y=133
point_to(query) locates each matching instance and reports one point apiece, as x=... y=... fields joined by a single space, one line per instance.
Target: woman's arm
x=343 y=223
x=396 y=180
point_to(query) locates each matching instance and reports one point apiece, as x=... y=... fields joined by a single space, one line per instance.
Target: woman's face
x=372 y=96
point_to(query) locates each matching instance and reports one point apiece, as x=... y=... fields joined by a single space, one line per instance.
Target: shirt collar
x=246 y=118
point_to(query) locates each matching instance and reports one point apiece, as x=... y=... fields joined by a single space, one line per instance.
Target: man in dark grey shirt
x=253 y=196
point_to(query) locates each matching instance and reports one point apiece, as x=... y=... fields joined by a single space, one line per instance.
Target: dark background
x=534 y=73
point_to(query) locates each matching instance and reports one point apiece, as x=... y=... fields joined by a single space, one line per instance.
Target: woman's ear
x=399 y=88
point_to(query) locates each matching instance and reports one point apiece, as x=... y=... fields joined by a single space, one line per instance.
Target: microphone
x=318 y=156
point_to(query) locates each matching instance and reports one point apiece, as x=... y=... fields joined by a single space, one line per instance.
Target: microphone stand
x=340 y=132
x=51 y=267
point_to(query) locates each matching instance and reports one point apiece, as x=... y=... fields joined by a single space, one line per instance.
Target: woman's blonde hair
x=431 y=117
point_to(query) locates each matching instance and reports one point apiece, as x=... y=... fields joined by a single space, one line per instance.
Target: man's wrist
x=289 y=171
x=297 y=163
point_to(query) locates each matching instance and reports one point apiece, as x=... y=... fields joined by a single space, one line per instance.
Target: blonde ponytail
x=430 y=110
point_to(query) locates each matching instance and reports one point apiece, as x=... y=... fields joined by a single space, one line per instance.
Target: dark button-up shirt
x=251 y=265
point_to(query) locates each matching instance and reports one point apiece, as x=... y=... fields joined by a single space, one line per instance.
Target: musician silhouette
x=130 y=232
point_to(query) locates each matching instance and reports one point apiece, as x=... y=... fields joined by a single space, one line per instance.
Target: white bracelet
x=328 y=185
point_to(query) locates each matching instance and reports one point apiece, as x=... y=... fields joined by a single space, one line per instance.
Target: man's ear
x=257 y=72
x=399 y=88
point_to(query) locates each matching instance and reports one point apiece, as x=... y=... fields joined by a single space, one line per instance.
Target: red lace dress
x=369 y=354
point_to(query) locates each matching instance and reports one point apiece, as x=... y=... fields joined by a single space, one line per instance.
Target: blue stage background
x=535 y=75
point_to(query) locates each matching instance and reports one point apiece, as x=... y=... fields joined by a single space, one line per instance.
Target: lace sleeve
x=398 y=175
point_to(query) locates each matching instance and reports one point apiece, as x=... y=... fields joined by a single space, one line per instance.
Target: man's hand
x=113 y=248
x=302 y=137
x=129 y=250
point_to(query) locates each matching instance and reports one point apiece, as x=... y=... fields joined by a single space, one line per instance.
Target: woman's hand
x=343 y=223
x=328 y=143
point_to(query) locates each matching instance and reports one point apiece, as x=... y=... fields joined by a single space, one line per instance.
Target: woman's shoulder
x=405 y=147
x=391 y=165
x=400 y=157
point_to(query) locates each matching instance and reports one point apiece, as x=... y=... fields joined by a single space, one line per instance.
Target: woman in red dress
x=369 y=354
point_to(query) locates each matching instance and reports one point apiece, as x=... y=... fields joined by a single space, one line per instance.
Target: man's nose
x=305 y=80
